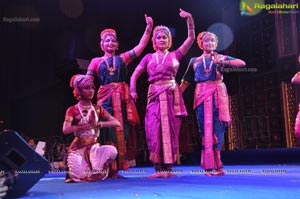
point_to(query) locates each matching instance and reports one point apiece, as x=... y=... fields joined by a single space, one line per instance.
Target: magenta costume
x=165 y=106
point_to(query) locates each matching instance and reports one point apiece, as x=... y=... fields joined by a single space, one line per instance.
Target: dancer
x=210 y=99
x=87 y=159
x=165 y=106
x=296 y=80
x=113 y=93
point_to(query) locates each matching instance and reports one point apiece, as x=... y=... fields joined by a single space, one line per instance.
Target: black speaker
x=19 y=164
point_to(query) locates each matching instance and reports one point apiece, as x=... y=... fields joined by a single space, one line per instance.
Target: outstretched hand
x=215 y=58
x=184 y=14
x=149 y=20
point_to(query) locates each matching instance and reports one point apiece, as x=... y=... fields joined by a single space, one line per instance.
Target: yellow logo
x=253 y=7
x=247 y=7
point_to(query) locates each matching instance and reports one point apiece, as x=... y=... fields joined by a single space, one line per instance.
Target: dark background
x=38 y=58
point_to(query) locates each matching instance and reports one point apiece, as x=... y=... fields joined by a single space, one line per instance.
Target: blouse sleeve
x=128 y=56
x=102 y=113
x=229 y=58
x=189 y=73
x=93 y=67
x=70 y=114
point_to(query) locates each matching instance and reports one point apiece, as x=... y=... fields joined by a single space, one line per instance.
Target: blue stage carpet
x=242 y=181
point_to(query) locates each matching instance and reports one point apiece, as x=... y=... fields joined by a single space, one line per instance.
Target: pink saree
x=205 y=92
x=164 y=113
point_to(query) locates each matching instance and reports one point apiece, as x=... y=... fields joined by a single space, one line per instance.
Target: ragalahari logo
x=247 y=7
x=253 y=7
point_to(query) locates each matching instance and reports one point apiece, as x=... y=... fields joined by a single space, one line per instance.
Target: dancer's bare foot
x=155 y=175
x=164 y=174
x=159 y=175
x=171 y=175
x=209 y=172
x=219 y=172
x=69 y=180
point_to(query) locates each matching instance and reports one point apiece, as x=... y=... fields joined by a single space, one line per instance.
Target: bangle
x=190 y=22
x=223 y=63
x=82 y=127
x=149 y=25
x=148 y=28
x=78 y=128
x=190 y=19
x=226 y=62
x=148 y=31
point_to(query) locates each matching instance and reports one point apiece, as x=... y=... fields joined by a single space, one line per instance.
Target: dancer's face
x=109 y=44
x=161 y=40
x=209 y=43
x=88 y=91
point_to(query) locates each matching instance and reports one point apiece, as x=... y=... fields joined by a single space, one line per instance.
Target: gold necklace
x=84 y=107
x=85 y=118
x=160 y=65
x=113 y=68
x=206 y=70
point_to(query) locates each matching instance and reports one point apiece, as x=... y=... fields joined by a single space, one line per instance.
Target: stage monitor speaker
x=19 y=164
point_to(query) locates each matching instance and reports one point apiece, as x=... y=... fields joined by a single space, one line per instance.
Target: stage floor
x=242 y=181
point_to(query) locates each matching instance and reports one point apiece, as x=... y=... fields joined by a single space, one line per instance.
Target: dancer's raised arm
x=191 y=31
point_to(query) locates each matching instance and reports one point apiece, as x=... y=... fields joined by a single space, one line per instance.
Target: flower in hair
x=77 y=82
x=107 y=32
x=165 y=30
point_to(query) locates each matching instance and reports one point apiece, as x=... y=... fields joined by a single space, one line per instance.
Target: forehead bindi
x=209 y=37
x=161 y=34
x=110 y=38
